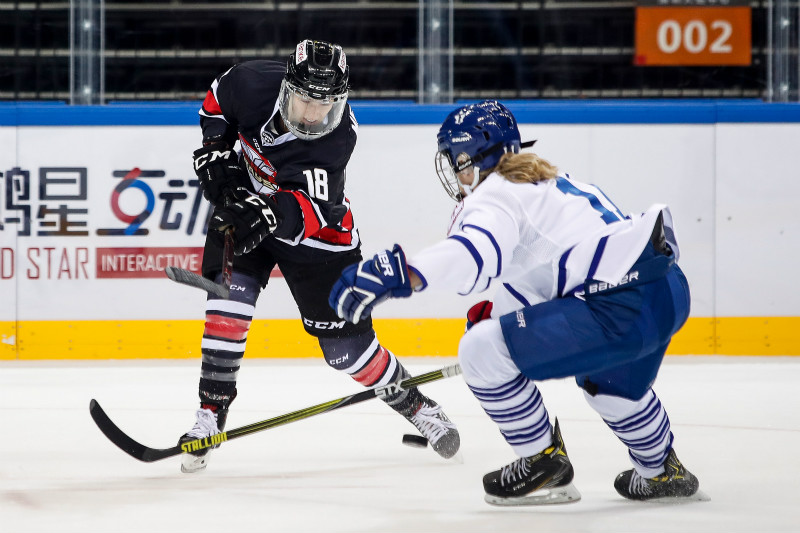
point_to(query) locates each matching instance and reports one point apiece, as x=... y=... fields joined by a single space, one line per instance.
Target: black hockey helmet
x=316 y=75
x=318 y=67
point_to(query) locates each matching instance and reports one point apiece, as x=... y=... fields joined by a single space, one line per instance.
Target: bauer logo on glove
x=363 y=286
x=385 y=262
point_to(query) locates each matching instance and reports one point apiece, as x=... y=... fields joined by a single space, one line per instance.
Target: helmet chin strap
x=476 y=176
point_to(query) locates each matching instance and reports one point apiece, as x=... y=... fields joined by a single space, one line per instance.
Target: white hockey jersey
x=536 y=242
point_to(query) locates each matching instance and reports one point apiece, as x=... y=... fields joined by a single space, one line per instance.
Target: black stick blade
x=123 y=441
x=187 y=277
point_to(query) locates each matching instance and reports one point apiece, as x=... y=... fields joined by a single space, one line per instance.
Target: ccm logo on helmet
x=320 y=88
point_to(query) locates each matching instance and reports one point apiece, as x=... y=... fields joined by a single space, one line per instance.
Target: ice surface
x=736 y=423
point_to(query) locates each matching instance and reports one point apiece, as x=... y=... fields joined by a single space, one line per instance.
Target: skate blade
x=548 y=496
x=191 y=464
x=698 y=496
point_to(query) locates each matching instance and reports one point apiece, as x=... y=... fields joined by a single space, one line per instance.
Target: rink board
x=88 y=222
x=281 y=338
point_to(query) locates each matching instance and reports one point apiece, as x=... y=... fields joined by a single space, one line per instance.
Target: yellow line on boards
x=286 y=338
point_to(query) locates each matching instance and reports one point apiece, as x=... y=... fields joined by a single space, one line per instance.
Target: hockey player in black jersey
x=282 y=194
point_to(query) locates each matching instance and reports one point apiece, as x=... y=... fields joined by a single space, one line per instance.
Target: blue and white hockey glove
x=364 y=285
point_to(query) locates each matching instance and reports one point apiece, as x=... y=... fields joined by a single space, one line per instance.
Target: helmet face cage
x=474 y=136
x=313 y=93
x=447 y=175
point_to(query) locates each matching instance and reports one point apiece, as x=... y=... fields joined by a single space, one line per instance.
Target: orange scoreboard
x=693 y=32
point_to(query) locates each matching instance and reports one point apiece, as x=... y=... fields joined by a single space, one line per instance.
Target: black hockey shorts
x=310 y=279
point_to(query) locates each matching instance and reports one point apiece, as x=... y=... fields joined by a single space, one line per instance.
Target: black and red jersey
x=241 y=106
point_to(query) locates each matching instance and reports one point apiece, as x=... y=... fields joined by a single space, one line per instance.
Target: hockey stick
x=188 y=277
x=149 y=455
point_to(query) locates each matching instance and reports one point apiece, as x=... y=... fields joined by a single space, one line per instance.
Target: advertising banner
x=73 y=212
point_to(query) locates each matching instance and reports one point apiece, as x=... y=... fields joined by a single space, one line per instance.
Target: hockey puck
x=415 y=441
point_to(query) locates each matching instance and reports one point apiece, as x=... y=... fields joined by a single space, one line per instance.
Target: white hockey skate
x=434 y=425
x=428 y=417
x=206 y=425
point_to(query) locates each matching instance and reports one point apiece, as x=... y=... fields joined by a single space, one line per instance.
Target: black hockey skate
x=428 y=417
x=675 y=484
x=542 y=479
x=210 y=420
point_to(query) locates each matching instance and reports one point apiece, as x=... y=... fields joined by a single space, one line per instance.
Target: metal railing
x=438 y=56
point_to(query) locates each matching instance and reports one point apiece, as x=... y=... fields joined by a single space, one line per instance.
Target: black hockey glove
x=252 y=220
x=222 y=179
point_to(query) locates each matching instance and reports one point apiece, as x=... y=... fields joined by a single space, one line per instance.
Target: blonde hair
x=523 y=168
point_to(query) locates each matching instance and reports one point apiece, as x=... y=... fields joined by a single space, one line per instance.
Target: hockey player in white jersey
x=580 y=290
